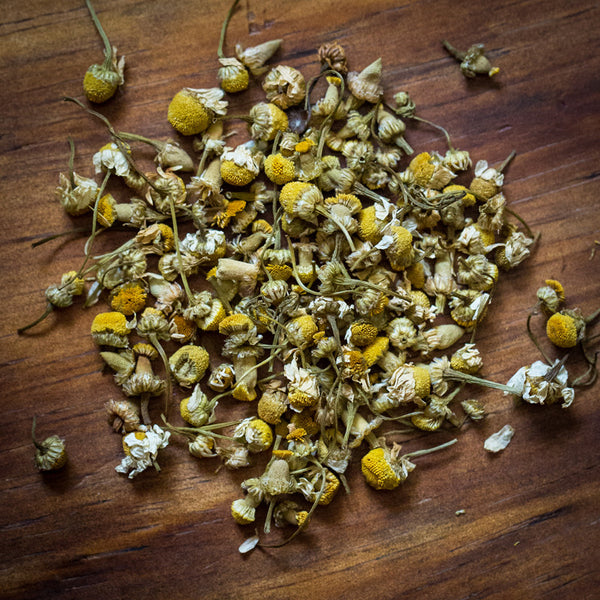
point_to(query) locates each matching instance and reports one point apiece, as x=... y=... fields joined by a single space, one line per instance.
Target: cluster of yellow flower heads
x=340 y=275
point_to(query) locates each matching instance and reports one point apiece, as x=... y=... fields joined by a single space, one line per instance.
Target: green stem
x=534 y=340
x=224 y=28
x=459 y=55
x=35 y=442
x=57 y=235
x=71 y=160
x=429 y=450
x=90 y=240
x=49 y=309
x=459 y=376
x=439 y=127
x=108 y=54
x=184 y=280
x=153 y=338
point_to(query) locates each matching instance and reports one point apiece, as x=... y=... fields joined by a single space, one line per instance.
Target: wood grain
x=532 y=514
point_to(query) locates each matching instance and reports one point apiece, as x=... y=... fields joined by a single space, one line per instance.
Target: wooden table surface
x=532 y=514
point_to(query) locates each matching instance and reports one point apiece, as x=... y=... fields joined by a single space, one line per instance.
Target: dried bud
x=333 y=55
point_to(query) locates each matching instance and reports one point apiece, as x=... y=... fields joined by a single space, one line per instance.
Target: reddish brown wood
x=530 y=529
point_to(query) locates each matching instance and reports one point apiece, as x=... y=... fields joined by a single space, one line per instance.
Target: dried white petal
x=249 y=544
x=499 y=440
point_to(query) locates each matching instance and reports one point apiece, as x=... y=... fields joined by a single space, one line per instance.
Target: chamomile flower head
x=197 y=409
x=76 y=193
x=192 y=111
x=233 y=76
x=540 y=383
x=188 y=364
x=111 y=329
x=384 y=469
x=239 y=166
x=141 y=449
x=267 y=120
x=61 y=295
x=300 y=198
x=284 y=86
x=564 y=329
x=279 y=169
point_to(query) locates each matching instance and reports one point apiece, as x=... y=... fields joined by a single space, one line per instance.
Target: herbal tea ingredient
x=343 y=275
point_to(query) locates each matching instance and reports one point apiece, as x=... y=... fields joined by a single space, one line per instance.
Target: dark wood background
x=532 y=517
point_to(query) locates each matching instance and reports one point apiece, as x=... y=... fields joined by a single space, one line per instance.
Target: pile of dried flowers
x=342 y=275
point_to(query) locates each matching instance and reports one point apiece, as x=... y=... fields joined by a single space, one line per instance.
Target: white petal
x=499 y=440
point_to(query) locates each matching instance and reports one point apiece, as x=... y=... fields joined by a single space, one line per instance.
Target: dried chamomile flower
x=429 y=170
x=233 y=76
x=279 y=169
x=181 y=329
x=197 y=409
x=406 y=384
x=474 y=409
x=255 y=57
x=391 y=130
x=474 y=240
x=51 y=454
x=458 y=160
x=514 y=251
x=468 y=307
x=206 y=311
x=300 y=199
x=143 y=382
x=487 y=182
x=405 y=107
x=192 y=111
x=565 y=328
x=202 y=446
x=111 y=158
x=289 y=513
x=102 y=80
x=384 y=468
x=128 y=298
x=167 y=190
x=122 y=415
x=76 y=193
x=473 y=62
x=188 y=364
x=243 y=510
x=284 y=86
x=402 y=333
x=266 y=120
x=477 y=272
x=141 y=450
x=235 y=456
x=111 y=329
x=240 y=166
x=61 y=295
x=222 y=377
x=540 y=383
x=366 y=85
x=273 y=403
x=333 y=55
x=153 y=324
x=303 y=388
x=467 y=359
x=255 y=433
x=551 y=296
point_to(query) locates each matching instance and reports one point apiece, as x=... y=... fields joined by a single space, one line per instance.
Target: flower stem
x=49 y=309
x=459 y=376
x=224 y=28
x=108 y=53
x=429 y=450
